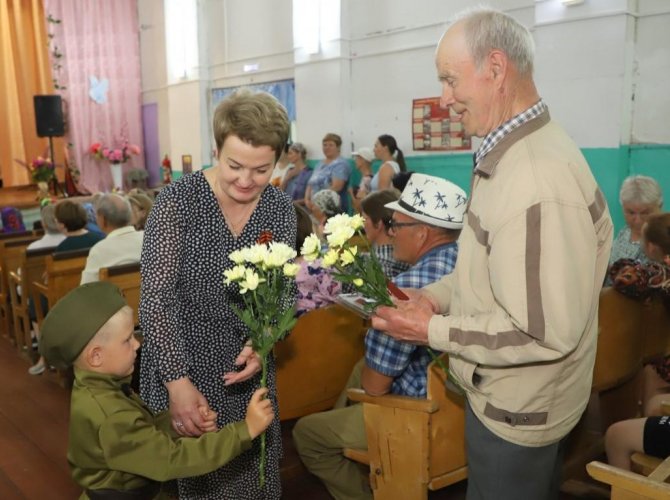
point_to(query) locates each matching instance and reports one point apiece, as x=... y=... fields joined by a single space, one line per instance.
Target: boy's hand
x=209 y=417
x=259 y=413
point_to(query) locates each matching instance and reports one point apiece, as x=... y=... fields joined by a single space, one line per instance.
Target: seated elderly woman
x=640 y=197
x=332 y=172
x=325 y=204
x=377 y=217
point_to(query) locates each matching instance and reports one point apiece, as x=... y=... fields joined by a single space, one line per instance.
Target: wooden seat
x=11 y=251
x=63 y=273
x=127 y=278
x=615 y=385
x=414 y=445
x=630 y=486
x=31 y=268
x=655 y=329
x=315 y=360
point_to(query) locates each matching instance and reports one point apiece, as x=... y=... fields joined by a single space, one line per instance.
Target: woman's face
x=293 y=156
x=138 y=214
x=379 y=150
x=330 y=149
x=244 y=170
x=636 y=215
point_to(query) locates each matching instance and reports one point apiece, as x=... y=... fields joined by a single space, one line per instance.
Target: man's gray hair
x=49 y=222
x=641 y=189
x=115 y=210
x=488 y=29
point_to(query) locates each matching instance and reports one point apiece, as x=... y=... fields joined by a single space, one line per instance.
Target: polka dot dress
x=188 y=325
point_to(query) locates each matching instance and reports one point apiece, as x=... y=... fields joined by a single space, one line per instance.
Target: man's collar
x=121 y=231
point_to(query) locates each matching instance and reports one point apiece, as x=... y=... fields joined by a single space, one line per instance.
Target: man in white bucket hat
x=519 y=314
x=425 y=225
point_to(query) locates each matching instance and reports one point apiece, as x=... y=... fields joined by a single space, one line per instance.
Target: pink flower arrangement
x=114 y=155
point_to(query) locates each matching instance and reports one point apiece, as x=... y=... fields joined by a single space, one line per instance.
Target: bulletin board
x=435 y=128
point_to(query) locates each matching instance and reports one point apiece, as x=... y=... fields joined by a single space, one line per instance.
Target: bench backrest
x=127 y=278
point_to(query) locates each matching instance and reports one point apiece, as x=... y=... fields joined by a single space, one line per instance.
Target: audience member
x=295 y=181
x=52 y=234
x=393 y=162
x=89 y=206
x=519 y=314
x=12 y=220
x=325 y=204
x=141 y=205
x=640 y=197
x=363 y=160
x=123 y=243
x=377 y=222
x=117 y=448
x=282 y=167
x=72 y=220
x=650 y=435
x=333 y=172
x=426 y=238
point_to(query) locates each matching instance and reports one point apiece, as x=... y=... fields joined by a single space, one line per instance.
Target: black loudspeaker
x=49 y=116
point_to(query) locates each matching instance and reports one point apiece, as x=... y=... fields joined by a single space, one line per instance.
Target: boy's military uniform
x=118 y=449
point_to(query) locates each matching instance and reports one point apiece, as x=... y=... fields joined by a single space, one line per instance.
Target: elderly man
x=425 y=225
x=519 y=313
x=123 y=243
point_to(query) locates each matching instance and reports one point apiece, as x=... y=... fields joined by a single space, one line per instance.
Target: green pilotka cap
x=75 y=319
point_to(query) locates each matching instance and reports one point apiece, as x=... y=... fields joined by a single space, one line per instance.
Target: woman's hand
x=252 y=365
x=185 y=407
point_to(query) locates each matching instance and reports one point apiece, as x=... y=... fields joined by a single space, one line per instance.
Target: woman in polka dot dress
x=194 y=349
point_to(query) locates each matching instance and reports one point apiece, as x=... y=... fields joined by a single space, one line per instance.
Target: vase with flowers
x=116 y=156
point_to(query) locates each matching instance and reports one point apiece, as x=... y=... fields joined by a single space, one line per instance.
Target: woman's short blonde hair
x=257 y=118
x=333 y=138
x=641 y=189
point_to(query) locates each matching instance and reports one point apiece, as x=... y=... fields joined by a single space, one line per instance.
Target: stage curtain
x=101 y=73
x=24 y=72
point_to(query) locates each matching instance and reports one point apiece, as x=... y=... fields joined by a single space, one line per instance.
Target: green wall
x=610 y=167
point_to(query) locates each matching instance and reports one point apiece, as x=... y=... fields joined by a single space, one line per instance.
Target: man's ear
x=666 y=260
x=498 y=65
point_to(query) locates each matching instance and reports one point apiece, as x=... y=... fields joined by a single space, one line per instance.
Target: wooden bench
x=127 y=278
x=414 y=445
x=11 y=251
x=628 y=485
x=31 y=268
x=316 y=359
x=63 y=273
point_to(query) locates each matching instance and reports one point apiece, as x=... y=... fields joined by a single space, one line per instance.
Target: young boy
x=117 y=447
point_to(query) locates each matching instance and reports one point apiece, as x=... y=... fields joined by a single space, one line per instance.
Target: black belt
x=146 y=492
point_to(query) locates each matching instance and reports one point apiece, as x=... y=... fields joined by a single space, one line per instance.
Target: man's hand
x=185 y=404
x=408 y=321
x=251 y=363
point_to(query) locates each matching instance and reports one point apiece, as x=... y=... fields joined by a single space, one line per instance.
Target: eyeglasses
x=392 y=225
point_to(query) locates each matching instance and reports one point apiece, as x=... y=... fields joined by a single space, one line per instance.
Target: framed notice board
x=435 y=128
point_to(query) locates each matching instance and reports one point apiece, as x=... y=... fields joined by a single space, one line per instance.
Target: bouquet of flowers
x=42 y=170
x=120 y=154
x=363 y=271
x=265 y=275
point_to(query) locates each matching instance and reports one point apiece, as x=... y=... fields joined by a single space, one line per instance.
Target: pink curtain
x=98 y=39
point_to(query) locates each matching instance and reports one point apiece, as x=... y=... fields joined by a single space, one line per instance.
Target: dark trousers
x=500 y=470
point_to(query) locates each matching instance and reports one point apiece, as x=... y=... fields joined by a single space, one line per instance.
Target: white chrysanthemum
x=357 y=222
x=282 y=252
x=339 y=236
x=311 y=247
x=348 y=256
x=237 y=257
x=330 y=258
x=234 y=274
x=250 y=282
x=255 y=254
x=336 y=222
x=290 y=269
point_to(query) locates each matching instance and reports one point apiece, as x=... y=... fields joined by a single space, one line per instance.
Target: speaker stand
x=57 y=185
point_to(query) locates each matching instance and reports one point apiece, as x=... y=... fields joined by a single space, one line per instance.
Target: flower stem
x=264 y=377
